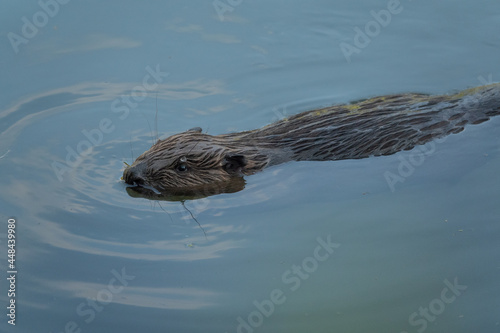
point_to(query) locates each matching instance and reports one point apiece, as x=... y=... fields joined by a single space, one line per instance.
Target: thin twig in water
x=172 y=220
x=150 y=129
x=156 y=118
x=194 y=218
x=131 y=149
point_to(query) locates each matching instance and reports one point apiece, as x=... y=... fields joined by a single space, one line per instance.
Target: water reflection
x=138 y=296
x=236 y=184
x=41 y=105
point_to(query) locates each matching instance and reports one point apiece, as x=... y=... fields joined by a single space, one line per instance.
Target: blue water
x=420 y=254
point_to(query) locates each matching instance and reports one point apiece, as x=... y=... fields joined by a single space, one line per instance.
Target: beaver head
x=190 y=162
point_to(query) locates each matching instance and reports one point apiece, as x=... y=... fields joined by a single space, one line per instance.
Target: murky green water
x=309 y=246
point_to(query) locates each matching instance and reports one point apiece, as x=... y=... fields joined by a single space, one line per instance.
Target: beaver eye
x=182 y=167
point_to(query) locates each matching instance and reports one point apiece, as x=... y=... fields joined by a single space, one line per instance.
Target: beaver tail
x=377 y=126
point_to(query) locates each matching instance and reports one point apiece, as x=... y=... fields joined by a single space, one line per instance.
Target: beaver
x=193 y=162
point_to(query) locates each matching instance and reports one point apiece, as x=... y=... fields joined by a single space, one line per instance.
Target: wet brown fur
x=377 y=126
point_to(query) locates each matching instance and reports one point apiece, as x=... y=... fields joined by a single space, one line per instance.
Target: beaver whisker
x=371 y=127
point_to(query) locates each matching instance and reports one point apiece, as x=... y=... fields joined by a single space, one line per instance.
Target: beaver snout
x=134 y=174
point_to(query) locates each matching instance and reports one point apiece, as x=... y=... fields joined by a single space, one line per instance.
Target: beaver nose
x=134 y=174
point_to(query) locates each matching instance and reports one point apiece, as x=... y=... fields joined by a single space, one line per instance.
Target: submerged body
x=193 y=162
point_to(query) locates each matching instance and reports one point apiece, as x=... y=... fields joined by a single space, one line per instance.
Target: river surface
x=402 y=243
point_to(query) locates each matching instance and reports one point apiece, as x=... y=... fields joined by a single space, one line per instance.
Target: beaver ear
x=233 y=163
x=195 y=129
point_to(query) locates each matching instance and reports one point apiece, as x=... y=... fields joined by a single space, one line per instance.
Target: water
x=419 y=256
